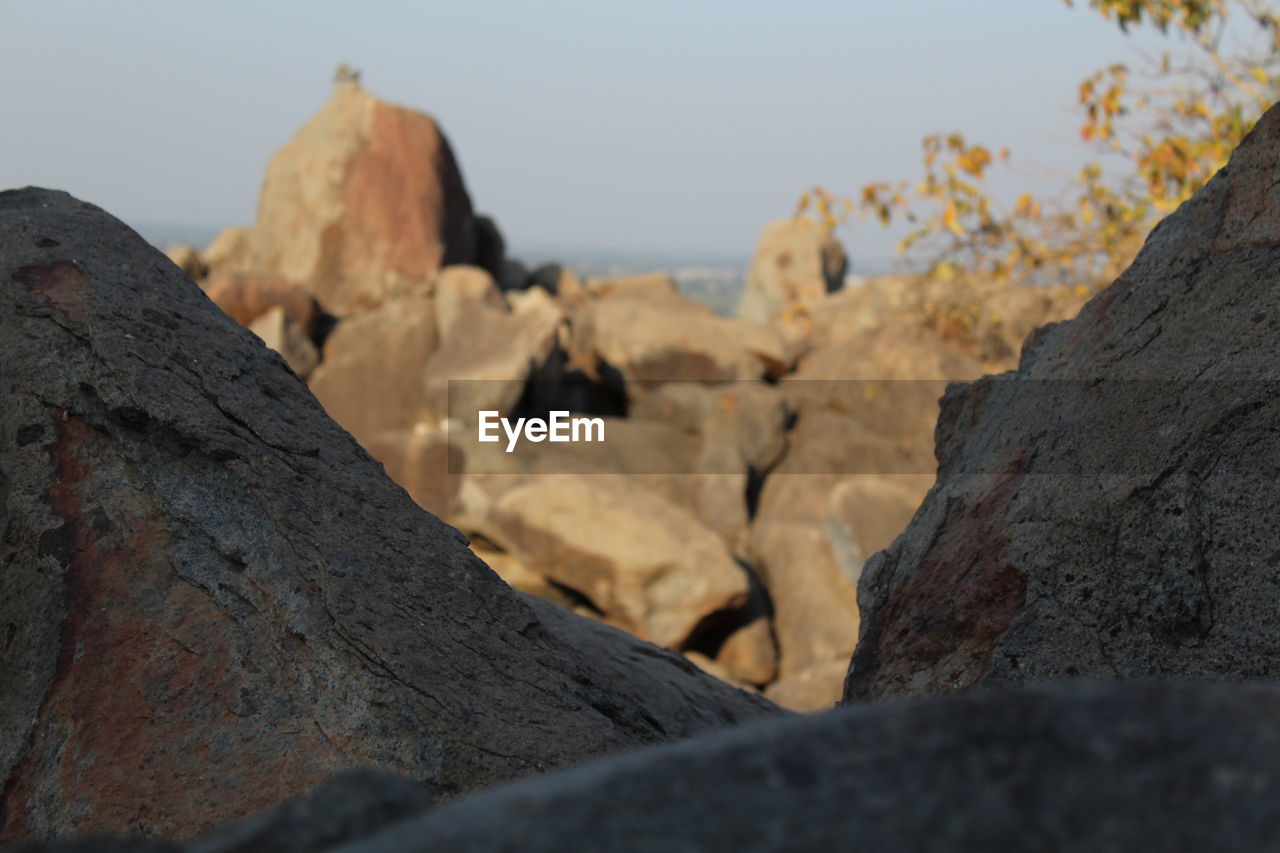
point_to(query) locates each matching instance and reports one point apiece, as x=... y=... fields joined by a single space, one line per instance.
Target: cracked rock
x=212 y=599
x=1108 y=509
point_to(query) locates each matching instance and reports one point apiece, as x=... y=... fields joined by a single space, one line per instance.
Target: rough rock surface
x=208 y=586
x=797 y=263
x=365 y=203
x=1080 y=767
x=1108 y=509
x=347 y=808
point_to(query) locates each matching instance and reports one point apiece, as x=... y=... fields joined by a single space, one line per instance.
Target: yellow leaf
x=949 y=220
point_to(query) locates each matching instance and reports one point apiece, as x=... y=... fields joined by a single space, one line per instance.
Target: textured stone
x=213 y=599
x=1107 y=509
x=347 y=808
x=1106 y=767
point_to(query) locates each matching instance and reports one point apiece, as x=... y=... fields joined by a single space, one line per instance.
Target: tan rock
x=278 y=331
x=247 y=296
x=364 y=204
x=187 y=259
x=815 y=606
x=749 y=417
x=813 y=689
x=713 y=668
x=641 y=560
x=866 y=513
x=671 y=338
x=231 y=251
x=797 y=263
x=650 y=285
x=463 y=290
x=750 y=654
x=707 y=479
x=372 y=378
x=488 y=350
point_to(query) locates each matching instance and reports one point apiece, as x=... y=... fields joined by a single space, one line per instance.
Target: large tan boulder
x=364 y=203
x=797 y=263
x=643 y=562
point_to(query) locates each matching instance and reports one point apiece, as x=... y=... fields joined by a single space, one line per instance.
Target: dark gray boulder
x=1070 y=767
x=1108 y=509
x=213 y=600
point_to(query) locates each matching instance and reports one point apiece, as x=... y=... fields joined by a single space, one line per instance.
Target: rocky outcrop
x=364 y=204
x=209 y=587
x=1106 y=510
x=1098 y=767
x=797 y=263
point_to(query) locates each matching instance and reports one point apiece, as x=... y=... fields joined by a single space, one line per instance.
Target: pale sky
x=665 y=127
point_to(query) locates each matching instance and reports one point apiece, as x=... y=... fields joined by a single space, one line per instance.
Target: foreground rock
x=365 y=203
x=1096 y=767
x=213 y=599
x=1108 y=509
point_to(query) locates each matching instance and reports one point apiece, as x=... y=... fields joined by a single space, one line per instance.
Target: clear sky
x=581 y=125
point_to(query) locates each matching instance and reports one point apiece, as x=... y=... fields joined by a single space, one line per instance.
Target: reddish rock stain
x=61 y=284
x=141 y=730
x=945 y=621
